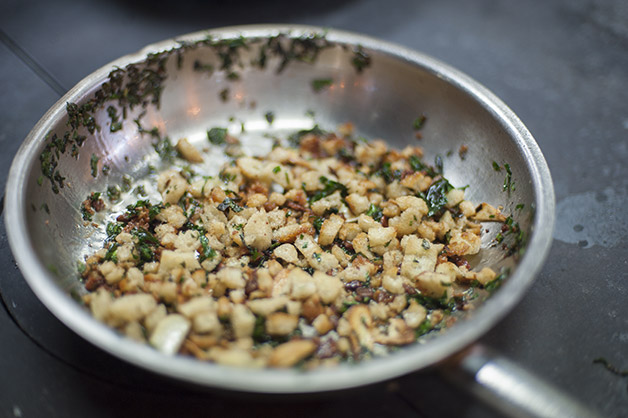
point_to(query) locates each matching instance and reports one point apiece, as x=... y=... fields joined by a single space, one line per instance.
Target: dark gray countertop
x=562 y=66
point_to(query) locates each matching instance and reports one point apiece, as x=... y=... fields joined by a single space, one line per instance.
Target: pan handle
x=508 y=388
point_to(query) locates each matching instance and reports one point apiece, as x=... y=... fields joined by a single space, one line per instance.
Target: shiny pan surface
x=380 y=87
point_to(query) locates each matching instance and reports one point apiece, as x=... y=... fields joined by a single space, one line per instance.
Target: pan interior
x=381 y=98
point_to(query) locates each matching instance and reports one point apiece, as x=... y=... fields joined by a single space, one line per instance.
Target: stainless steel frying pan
x=378 y=86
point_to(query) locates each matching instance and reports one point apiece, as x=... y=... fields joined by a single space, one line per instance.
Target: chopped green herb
x=165 y=149
x=259 y=330
x=113 y=230
x=417 y=165
x=199 y=66
x=419 y=122
x=217 y=135
x=496 y=167
x=207 y=252
x=224 y=94
x=140 y=191
x=436 y=197
x=387 y=173
x=144 y=237
x=270 y=117
x=435 y=303
x=111 y=254
x=374 y=212
x=361 y=59
x=93 y=163
x=295 y=138
x=330 y=188
x=424 y=328
x=276 y=169
x=115 y=125
x=509 y=185
x=318 y=223
x=226 y=177
x=321 y=83
x=113 y=193
x=438 y=164
x=229 y=203
x=127 y=182
x=497 y=282
x=347 y=304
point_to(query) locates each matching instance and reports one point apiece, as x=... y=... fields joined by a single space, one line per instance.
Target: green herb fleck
x=217 y=135
x=387 y=173
x=295 y=138
x=113 y=230
x=127 y=183
x=374 y=212
x=419 y=123
x=93 y=162
x=206 y=252
x=436 y=197
x=424 y=328
x=318 y=223
x=497 y=282
x=224 y=94
x=330 y=187
x=270 y=117
x=417 y=165
x=113 y=193
x=229 y=203
x=199 y=66
x=115 y=125
x=361 y=59
x=321 y=83
x=165 y=149
x=111 y=254
x=509 y=185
